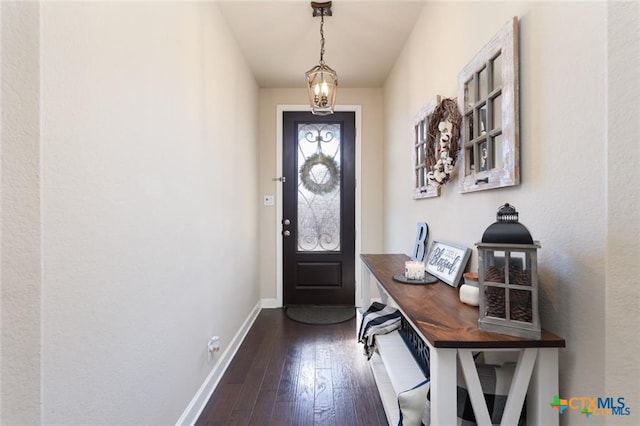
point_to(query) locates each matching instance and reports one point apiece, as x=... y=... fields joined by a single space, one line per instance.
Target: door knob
x=286 y=222
x=286 y=233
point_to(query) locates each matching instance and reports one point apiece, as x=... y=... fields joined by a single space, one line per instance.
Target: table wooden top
x=436 y=310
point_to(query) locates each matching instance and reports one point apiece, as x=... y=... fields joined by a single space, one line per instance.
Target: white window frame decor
x=488 y=98
x=421 y=186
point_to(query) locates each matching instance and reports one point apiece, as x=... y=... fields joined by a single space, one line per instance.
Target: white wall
x=20 y=216
x=563 y=196
x=149 y=177
x=623 y=202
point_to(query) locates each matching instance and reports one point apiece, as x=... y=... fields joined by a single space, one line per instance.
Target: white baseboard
x=270 y=303
x=199 y=401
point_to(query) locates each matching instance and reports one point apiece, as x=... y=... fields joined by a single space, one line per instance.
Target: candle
x=470 y=294
x=414 y=270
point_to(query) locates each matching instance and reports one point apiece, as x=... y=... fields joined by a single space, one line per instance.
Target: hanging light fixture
x=322 y=80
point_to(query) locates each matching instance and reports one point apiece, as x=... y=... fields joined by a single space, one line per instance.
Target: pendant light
x=322 y=81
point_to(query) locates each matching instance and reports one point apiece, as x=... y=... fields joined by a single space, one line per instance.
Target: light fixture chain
x=322 y=36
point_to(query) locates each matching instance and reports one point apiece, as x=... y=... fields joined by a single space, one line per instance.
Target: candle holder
x=414 y=270
x=508 y=277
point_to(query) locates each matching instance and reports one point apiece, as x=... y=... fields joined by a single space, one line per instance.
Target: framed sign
x=447 y=261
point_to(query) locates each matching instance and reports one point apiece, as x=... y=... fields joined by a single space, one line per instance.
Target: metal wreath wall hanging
x=441 y=157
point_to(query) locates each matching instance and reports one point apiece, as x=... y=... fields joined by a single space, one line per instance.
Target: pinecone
x=520 y=313
x=494 y=275
x=495 y=302
x=520 y=298
x=494 y=296
x=514 y=272
x=523 y=278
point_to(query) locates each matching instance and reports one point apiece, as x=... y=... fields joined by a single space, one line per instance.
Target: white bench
x=395 y=370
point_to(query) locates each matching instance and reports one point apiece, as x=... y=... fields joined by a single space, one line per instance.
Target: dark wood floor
x=287 y=373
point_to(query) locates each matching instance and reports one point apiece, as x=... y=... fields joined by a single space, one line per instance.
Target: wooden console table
x=450 y=329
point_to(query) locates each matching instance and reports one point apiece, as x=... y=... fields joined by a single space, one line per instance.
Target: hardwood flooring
x=287 y=373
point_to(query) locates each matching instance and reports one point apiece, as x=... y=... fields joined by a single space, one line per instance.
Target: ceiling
x=281 y=39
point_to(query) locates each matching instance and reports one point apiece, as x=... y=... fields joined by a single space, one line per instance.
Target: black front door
x=318 y=224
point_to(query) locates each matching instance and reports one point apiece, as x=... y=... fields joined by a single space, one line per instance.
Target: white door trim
x=357 y=109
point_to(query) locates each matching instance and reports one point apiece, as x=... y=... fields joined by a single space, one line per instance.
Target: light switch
x=268 y=200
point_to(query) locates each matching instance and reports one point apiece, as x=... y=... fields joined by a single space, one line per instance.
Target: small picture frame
x=447 y=261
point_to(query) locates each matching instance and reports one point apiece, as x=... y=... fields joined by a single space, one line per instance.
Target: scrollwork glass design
x=319 y=187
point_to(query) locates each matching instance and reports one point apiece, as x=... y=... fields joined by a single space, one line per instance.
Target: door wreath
x=441 y=159
x=310 y=183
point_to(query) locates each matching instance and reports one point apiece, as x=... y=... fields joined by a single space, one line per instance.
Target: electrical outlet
x=213 y=346
x=215 y=343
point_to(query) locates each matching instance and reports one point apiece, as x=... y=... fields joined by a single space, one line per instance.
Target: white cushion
x=412 y=404
x=405 y=375
x=401 y=366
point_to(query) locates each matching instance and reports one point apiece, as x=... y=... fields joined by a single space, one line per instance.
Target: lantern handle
x=507 y=213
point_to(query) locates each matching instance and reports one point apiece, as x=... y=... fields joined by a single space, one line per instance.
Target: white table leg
x=365 y=287
x=519 y=384
x=474 y=388
x=542 y=388
x=443 y=386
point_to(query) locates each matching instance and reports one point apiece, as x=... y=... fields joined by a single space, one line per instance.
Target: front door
x=318 y=224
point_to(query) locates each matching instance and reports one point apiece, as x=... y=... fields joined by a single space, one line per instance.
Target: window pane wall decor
x=488 y=98
x=421 y=186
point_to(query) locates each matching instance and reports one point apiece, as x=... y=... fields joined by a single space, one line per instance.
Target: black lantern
x=508 y=277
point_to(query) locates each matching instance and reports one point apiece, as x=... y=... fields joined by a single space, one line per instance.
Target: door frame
x=280 y=110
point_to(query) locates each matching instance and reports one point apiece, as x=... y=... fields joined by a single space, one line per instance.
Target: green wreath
x=310 y=184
